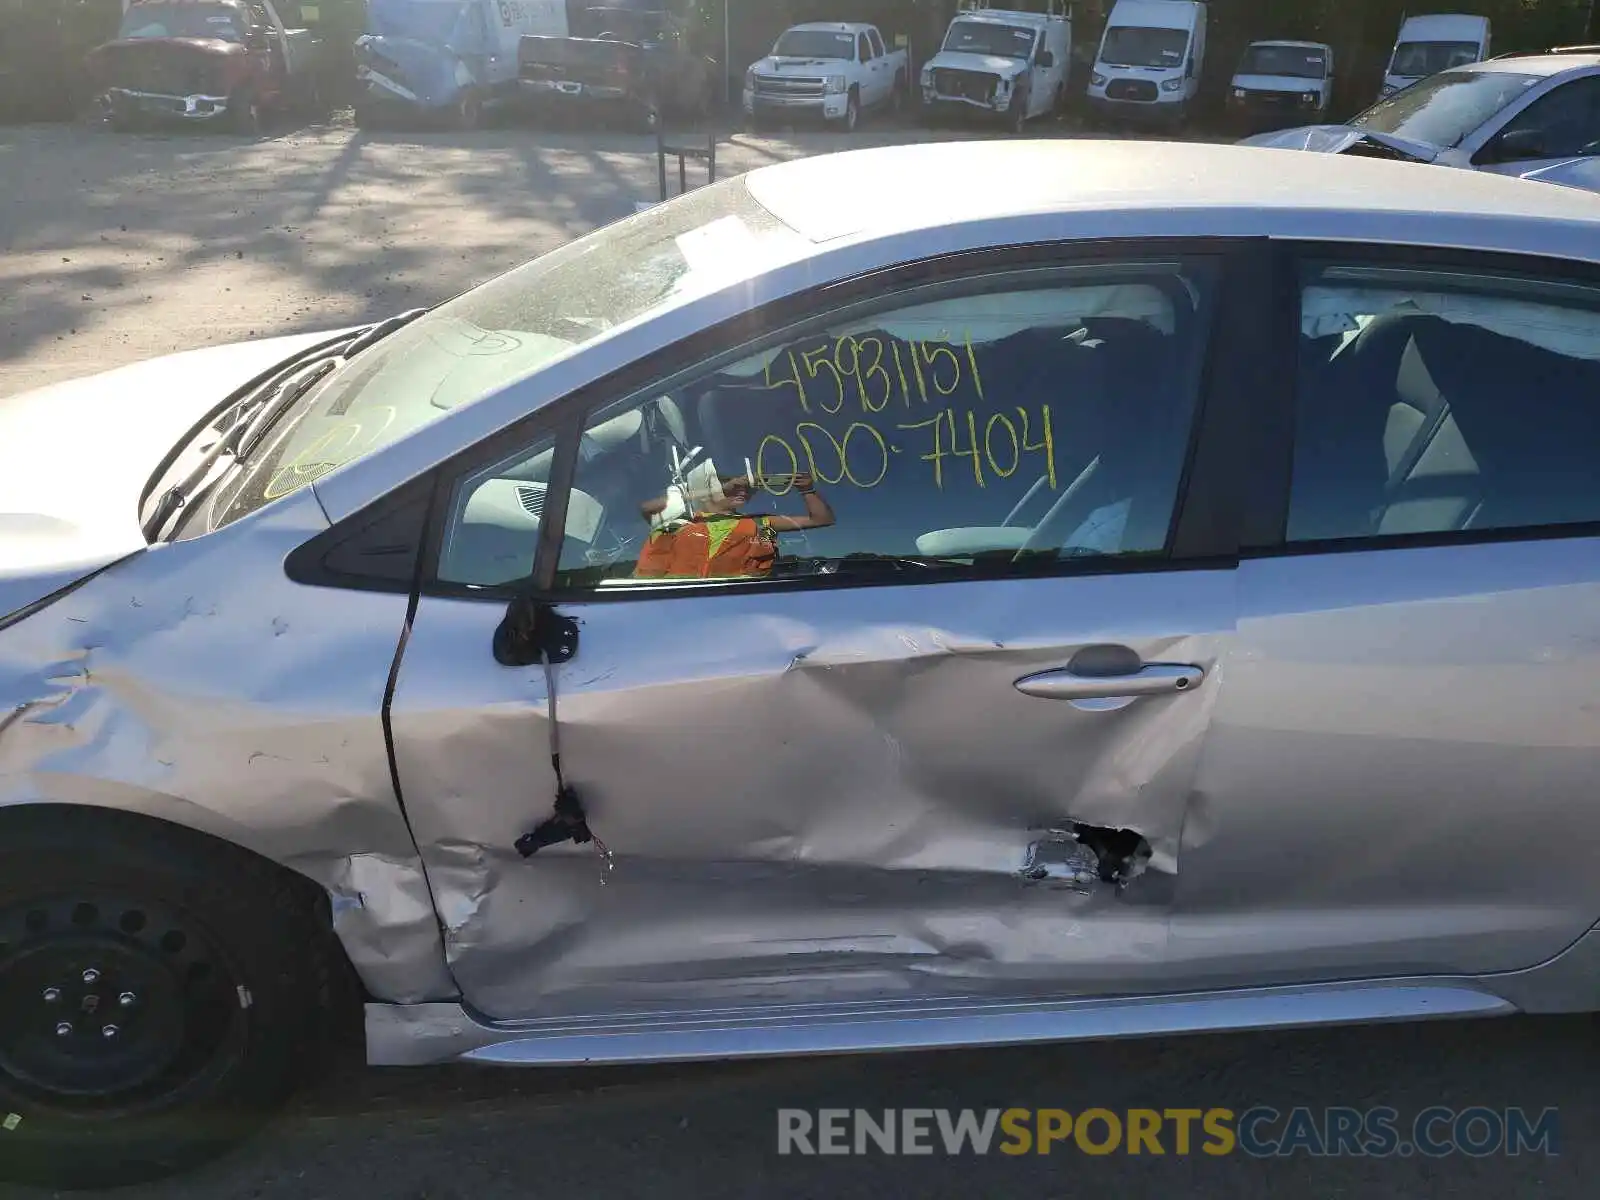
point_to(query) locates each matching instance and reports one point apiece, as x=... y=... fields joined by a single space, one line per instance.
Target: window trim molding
x=1294 y=259
x=1211 y=550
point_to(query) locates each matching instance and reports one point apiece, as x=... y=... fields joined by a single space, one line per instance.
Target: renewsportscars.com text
x=1259 y=1131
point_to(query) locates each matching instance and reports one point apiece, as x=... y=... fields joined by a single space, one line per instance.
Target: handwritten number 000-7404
x=1000 y=446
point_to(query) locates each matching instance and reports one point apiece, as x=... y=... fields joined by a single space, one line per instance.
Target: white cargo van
x=1428 y=45
x=1150 y=60
x=1282 y=83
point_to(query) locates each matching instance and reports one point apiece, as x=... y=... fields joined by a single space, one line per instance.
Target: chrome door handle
x=1154 y=680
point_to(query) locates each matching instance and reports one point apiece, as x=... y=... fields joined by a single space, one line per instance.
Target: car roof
x=1295 y=45
x=1001 y=16
x=829 y=27
x=1535 y=64
x=901 y=189
x=1435 y=23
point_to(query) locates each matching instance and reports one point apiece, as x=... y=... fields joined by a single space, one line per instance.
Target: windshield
x=1129 y=47
x=509 y=328
x=425 y=20
x=816 y=43
x=1300 y=62
x=1413 y=60
x=984 y=37
x=1445 y=108
x=638 y=25
x=183 y=21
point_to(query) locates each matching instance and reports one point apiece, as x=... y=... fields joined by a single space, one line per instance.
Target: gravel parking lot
x=116 y=248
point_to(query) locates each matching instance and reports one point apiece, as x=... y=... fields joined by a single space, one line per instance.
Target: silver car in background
x=854 y=606
x=1535 y=116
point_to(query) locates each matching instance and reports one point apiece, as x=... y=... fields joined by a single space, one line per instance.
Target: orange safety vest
x=710 y=547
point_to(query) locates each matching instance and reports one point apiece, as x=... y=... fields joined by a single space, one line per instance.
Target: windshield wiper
x=255 y=413
x=376 y=333
x=249 y=425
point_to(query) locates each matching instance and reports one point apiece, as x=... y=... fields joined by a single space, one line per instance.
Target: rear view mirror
x=1046 y=59
x=1517 y=145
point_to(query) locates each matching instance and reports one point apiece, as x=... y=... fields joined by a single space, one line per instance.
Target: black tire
x=244 y=115
x=122 y=122
x=468 y=113
x=214 y=969
x=1017 y=115
x=852 y=112
x=897 y=98
x=368 y=117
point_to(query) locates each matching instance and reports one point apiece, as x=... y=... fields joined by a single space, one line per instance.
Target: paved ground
x=115 y=248
x=707 y=1133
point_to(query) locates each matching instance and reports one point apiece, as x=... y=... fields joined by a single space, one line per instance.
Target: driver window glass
x=1564 y=124
x=1025 y=418
x=877 y=44
x=863 y=51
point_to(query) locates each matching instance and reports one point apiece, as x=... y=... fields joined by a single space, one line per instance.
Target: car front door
x=1561 y=125
x=896 y=646
x=1406 y=748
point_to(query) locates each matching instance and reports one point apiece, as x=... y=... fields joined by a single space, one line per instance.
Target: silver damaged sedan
x=948 y=595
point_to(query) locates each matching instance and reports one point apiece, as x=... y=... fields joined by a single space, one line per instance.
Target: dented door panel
x=806 y=796
x=195 y=683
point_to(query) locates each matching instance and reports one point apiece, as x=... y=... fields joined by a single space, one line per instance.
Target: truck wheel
x=368 y=117
x=1017 y=114
x=852 y=112
x=244 y=115
x=159 y=991
x=897 y=98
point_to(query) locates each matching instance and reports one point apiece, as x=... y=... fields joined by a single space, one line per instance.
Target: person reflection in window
x=717 y=539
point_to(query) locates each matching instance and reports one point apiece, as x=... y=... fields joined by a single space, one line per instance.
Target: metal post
x=661 y=160
x=727 y=54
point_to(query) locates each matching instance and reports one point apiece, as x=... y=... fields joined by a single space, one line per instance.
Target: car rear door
x=1400 y=771
x=944 y=742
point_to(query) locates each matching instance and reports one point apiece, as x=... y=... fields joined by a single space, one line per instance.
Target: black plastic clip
x=533 y=630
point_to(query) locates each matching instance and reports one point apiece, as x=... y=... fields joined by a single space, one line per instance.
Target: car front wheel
x=159 y=993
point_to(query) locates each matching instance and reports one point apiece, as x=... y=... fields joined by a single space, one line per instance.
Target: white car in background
x=1536 y=116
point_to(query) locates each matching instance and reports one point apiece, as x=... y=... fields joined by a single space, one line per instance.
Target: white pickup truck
x=832 y=70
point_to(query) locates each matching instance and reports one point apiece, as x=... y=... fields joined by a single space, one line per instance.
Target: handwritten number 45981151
x=873 y=371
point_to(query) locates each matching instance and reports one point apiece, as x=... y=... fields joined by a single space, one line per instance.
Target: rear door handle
x=1153 y=680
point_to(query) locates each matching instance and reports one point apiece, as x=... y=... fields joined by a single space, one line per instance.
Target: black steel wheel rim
x=111 y=1004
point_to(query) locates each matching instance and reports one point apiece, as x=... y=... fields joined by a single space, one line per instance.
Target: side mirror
x=1518 y=145
x=1046 y=59
x=1188 y=69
